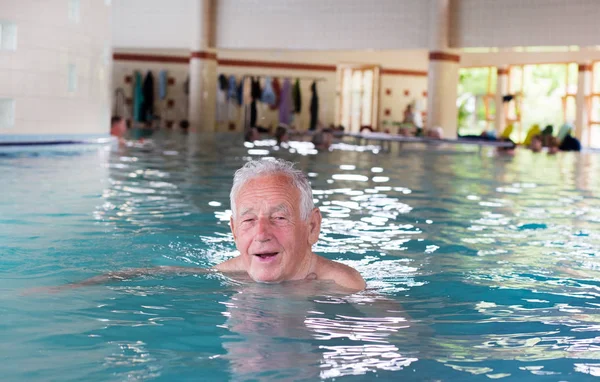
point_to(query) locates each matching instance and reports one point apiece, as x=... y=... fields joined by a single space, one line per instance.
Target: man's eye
x=248 y=220
x=279 y=218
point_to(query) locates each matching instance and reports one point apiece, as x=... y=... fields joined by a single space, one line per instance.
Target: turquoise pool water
x=479 y=267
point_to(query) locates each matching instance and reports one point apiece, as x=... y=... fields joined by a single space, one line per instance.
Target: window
x=593 y=137
x=74 y=11
x=357 y=96
x=8 y=35
x=476 y=99
x=7 y=113
x=544 y=95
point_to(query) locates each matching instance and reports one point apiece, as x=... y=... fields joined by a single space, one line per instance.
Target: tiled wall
x=398 y=86
x=318 y=24
x=277 y=24
x=152 y=23
x=506 y=23
x=58 y=75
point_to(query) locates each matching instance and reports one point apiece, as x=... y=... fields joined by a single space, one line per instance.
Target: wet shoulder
x=342 y=274
x=234 y=265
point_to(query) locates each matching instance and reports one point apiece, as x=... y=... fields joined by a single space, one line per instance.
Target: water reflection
x=281 y=332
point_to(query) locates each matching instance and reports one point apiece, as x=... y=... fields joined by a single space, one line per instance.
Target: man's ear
x=314 y=226
x=231 y=225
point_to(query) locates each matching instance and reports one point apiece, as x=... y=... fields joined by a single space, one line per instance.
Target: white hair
x=255 y=168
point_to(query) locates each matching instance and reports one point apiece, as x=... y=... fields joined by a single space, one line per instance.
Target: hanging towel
x=240 y=92
x=314 y=106
x=138 y=97
x=162 y=84
x=232 y=91
x=268 y=96
x=297 y=97
x=285 y=103
x=253 y=113
x=277 y=91
x=222 y=80
x=256 y=91
x=147 y=110
x=247 y=91
x=221 y=105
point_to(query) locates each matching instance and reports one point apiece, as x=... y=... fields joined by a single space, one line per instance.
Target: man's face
x=274 y=241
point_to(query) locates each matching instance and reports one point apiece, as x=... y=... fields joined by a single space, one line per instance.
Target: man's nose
x=263 y=232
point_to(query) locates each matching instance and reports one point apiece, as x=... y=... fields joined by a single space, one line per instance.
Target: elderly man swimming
x=274 y=224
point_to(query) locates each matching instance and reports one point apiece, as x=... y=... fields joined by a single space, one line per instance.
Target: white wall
x=49 y=100
x=509 y=23
x=152 y=23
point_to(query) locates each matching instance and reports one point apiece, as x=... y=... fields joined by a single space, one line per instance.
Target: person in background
x=412 y=122
x=281 y=134
x=566 y=141
x=118 y=128
x=323 y=139
x=435 y=133
x=535 y=143
x=552 y=145
x=547 y=135
x=252 y=135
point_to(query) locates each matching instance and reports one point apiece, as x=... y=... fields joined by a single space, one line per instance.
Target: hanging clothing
x=222 y=81
x=256 y=91
x=277 y=91
x=285 y=103
x=268 y=96
x=297 y=97
x=138 y=96
x=232 y=90
x=253 y=113
x=240 y=92
x=147 y=111
x=221 y=105
x=314 y=106
x=163 y=80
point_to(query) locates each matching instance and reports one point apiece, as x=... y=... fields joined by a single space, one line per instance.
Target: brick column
x=442 y=81
x=584 y=88
x=203 y=68
x=501 y=91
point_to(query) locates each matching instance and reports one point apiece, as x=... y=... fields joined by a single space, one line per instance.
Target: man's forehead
x=271 y=208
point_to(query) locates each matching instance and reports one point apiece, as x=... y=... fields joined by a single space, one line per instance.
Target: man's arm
x=124 y=275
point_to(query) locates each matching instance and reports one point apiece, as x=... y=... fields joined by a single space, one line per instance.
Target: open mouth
x=266 y=255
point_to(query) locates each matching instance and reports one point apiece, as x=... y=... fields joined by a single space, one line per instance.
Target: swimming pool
x=479 y=267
